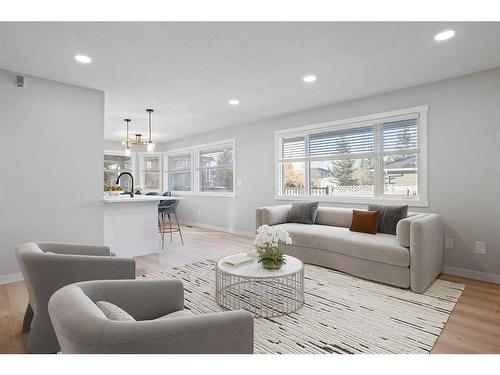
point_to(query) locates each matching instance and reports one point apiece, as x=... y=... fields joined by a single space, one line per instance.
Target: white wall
x=113 y=146
x=464 y=162
x=51 y=164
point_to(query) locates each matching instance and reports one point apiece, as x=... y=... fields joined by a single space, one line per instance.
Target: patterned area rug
x=341 y=314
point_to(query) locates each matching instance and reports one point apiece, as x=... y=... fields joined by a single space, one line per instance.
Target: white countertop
x=137 y=198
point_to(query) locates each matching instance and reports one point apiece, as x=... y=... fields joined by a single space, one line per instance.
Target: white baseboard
x=471 y=274
x=220 y=229
x=10 y=278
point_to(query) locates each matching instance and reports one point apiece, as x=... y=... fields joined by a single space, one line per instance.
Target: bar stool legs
x=163 y=229
x=179 y=227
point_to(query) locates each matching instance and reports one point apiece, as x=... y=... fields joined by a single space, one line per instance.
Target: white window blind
x=399 y=135
x=293 y=148
x=346 y=141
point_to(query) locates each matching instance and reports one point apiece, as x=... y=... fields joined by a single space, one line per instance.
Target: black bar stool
x=165 y=209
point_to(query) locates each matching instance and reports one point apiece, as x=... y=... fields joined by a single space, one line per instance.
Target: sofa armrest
x=403 y=229
x=272 y=215
x=426 y=251
x=74 y=249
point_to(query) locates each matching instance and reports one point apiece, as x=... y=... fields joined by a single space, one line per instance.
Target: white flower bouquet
x=270 y=237
x=267 y=243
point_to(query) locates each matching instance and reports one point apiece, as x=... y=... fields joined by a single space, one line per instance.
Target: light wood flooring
x=473 y=327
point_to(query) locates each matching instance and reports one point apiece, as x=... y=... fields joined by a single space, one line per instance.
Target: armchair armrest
x=229 y=332
x=143 y=299
x=426 y=251
x=272 y=215
x=51 y=272
x=85 y=329
x=74 y=249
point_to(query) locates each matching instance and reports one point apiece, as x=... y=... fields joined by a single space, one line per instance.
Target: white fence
x=361 y=190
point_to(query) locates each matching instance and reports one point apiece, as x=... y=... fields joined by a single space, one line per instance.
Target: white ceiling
x=187 y=72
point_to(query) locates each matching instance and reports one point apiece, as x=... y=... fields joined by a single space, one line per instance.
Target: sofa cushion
x=380 y=247
x=364 y=221
x=113 y=312
x=338 y=217
x=304 y=213
x=389 y=216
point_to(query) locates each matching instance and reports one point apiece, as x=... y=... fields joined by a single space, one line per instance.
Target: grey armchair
x=47 y=267
x=161 y=325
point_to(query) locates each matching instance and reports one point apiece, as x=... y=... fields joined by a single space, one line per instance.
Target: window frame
x=166 y=172
x=378 y=155
x=195 y=168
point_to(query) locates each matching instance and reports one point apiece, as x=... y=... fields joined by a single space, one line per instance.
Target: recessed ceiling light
x=309 y=78
x=444 y=35
x=83 y=59
x=234 y=102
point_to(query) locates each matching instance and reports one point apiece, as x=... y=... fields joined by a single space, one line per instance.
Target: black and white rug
x=341 y=314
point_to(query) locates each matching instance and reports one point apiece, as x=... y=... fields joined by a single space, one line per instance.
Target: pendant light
x=150 y=146
x=128 y=150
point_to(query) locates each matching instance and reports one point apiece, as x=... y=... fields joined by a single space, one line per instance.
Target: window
x=215 y=168
x=377 y=157
x=116 y=162
x=150 y=172
x=179 y=172
x=204 y=169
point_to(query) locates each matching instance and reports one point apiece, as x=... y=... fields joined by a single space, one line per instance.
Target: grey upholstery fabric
x=426 y=251
x=412 y=258
x=389 y=216
x=304 y=213
x=380 y=247
x=177 y=314
x=272 y=215
x=366 y=269
x=68 y=263
x=113 y=312
x=403 y=229
x=82 y=328
x=334 y=216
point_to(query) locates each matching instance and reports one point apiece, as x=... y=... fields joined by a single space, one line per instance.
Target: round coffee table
x=262 y=292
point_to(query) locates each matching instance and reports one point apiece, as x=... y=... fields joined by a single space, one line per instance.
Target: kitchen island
x=131 y=224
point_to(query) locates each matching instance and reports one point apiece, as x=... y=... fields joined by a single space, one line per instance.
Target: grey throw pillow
x=304 y=213
x=389 y=217
x=113 y=312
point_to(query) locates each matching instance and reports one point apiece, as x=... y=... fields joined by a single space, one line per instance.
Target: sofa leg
x=28 y=317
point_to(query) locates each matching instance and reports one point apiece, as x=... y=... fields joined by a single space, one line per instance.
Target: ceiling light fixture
x=234 y=102
x=444 y=35
x=83 y=59
x=151 y=146
x=128 y=150
x=309 y=78
x=128 y=143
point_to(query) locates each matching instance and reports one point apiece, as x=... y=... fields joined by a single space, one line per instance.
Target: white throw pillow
x=113 y=312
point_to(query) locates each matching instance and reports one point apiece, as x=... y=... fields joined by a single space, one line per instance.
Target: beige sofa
x=413 y=258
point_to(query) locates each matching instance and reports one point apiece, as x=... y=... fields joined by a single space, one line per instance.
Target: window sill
x=355 y=200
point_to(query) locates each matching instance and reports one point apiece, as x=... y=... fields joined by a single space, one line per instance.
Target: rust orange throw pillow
x=364 y=221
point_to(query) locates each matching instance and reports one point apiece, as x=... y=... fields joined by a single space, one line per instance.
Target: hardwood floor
x=473 y=327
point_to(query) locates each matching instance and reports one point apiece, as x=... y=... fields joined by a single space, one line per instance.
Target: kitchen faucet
x=132 y=177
